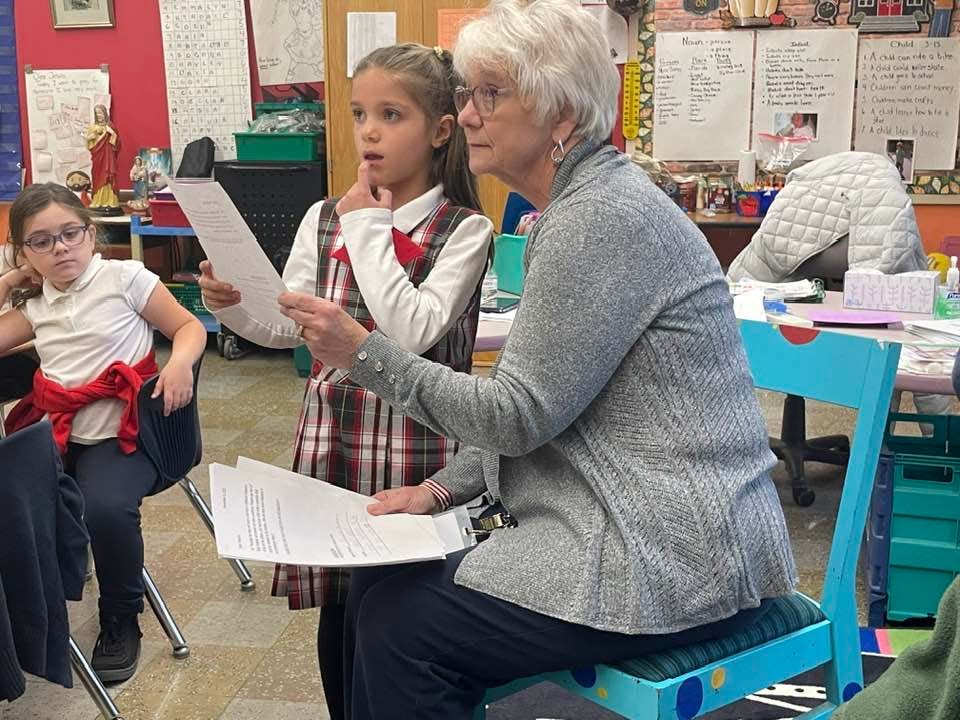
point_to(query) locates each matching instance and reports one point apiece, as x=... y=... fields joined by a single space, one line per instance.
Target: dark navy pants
x=418 y=646
x=113 y=486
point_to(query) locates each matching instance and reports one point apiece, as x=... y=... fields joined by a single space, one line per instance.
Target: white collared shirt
x=415 y=317
x=96 y=321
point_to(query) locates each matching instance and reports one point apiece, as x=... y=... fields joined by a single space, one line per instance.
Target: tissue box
x=909 y=292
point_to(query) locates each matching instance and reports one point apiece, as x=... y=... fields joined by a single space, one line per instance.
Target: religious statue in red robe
x=103 y=142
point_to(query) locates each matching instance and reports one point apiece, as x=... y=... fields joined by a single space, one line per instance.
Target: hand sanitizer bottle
x=948 y=298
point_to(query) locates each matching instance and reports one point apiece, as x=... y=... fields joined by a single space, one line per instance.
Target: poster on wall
x=701 y=101
x=908 y=90
x=804 y=88
x=208 y=72
x=288 y=35
x=60 y=109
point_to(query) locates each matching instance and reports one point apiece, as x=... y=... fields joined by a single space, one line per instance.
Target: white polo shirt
x=95 y=322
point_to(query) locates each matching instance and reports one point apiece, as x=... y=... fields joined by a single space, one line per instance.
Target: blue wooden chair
x=796 y=634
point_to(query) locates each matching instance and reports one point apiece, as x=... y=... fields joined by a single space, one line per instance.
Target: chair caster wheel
x=248 y=585
x=181 y=652
x=804 y=496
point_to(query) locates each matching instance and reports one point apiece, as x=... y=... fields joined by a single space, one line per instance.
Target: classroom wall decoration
x=826 y=11
x=60 y=107
x=207 y=70
x=288 y=35
x=672 y=16
x=889 y=16
x=908 y=90
x=11 y=149
x=806 y=73
x=701 y=7
x=702 y=90
x=942 y=15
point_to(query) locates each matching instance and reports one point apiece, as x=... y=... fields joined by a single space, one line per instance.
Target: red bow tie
x=405 y=249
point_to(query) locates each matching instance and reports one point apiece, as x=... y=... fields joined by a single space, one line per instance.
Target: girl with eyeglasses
x=92 y=321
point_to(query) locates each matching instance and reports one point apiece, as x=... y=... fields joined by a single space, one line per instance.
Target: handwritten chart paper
x=366 y=32
x=909 y=89
x=208 y=72
x=702 y=95
x=810 y=74
x=59 y=108
x=289 y=40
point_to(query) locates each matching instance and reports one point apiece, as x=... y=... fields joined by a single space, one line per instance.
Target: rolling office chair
x=792 y=446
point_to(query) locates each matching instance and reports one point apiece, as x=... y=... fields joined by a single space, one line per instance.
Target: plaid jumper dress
x=347 y=435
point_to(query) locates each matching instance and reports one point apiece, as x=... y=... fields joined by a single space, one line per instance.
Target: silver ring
x=300 y=331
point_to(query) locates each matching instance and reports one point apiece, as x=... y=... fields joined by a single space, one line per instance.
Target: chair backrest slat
x=840 y=369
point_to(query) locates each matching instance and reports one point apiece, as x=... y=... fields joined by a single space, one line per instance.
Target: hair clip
x=438 y=51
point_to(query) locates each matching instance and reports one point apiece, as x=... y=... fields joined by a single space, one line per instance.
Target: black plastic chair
x=792 y=446
x=16 y=378
x=174 y=444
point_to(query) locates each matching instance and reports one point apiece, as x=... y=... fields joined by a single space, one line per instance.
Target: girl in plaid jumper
x=404 y=251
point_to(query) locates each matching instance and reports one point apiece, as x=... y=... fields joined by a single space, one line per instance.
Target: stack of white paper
x=265 y=513
x=936 y=348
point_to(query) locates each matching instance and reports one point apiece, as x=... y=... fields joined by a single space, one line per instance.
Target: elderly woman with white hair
x=619 y=431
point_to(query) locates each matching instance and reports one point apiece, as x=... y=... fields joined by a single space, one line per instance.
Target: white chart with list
x=701 y=107
x=208 y=72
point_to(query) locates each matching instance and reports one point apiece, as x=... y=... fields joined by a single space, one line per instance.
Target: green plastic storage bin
x=302 y=360
x=271 y=107
x=188 y=295
x=508 y=262
x=925 y=521
x=295 y=147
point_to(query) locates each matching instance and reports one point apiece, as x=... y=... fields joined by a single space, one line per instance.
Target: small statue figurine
x=103 y=142
x=79 y=182
x=138 y=176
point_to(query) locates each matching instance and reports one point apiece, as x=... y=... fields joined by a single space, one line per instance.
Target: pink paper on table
x=852 y=317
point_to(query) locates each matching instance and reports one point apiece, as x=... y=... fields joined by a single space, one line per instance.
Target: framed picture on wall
x=82 y=13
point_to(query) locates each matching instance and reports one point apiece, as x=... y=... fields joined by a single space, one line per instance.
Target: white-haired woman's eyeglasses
x=484 y=98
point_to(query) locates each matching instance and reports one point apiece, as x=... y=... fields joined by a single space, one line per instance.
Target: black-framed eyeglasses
x=484 y=98
x=43 y=243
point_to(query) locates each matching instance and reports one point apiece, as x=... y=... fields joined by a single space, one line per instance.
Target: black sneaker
x=117 y=651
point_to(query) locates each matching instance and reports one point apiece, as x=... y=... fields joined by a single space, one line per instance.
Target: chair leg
x=160 y=609
x=793 y=435
x=196 y=499
x=92 y=684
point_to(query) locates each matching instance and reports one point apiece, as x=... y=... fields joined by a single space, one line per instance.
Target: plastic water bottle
x=488 y=290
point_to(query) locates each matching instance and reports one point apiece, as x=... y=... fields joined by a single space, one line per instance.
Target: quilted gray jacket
x=852 y=193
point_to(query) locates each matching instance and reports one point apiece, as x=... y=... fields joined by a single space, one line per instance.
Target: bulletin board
x=786 y=19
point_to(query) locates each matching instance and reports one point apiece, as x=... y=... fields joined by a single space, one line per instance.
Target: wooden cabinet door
x=341 y=154
x=493 y=193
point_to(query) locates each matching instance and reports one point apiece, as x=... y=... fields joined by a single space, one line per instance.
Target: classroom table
x=727 y=233
x=493 y=330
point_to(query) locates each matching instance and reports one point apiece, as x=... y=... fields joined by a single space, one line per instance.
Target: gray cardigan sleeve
x=587 y=298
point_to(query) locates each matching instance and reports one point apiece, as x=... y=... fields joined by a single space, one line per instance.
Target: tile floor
x=250 y=657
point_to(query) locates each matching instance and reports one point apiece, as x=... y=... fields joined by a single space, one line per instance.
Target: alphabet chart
x=208 y=75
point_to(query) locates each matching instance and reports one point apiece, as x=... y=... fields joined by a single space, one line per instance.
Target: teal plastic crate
x=295 y=147
x=925 y=521
x=302 y=361
x=508 y=262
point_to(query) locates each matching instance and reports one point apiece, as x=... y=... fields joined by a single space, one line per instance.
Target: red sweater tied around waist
x=119 y=381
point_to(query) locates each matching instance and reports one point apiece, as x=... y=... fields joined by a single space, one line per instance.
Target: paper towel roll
x=747 y=169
